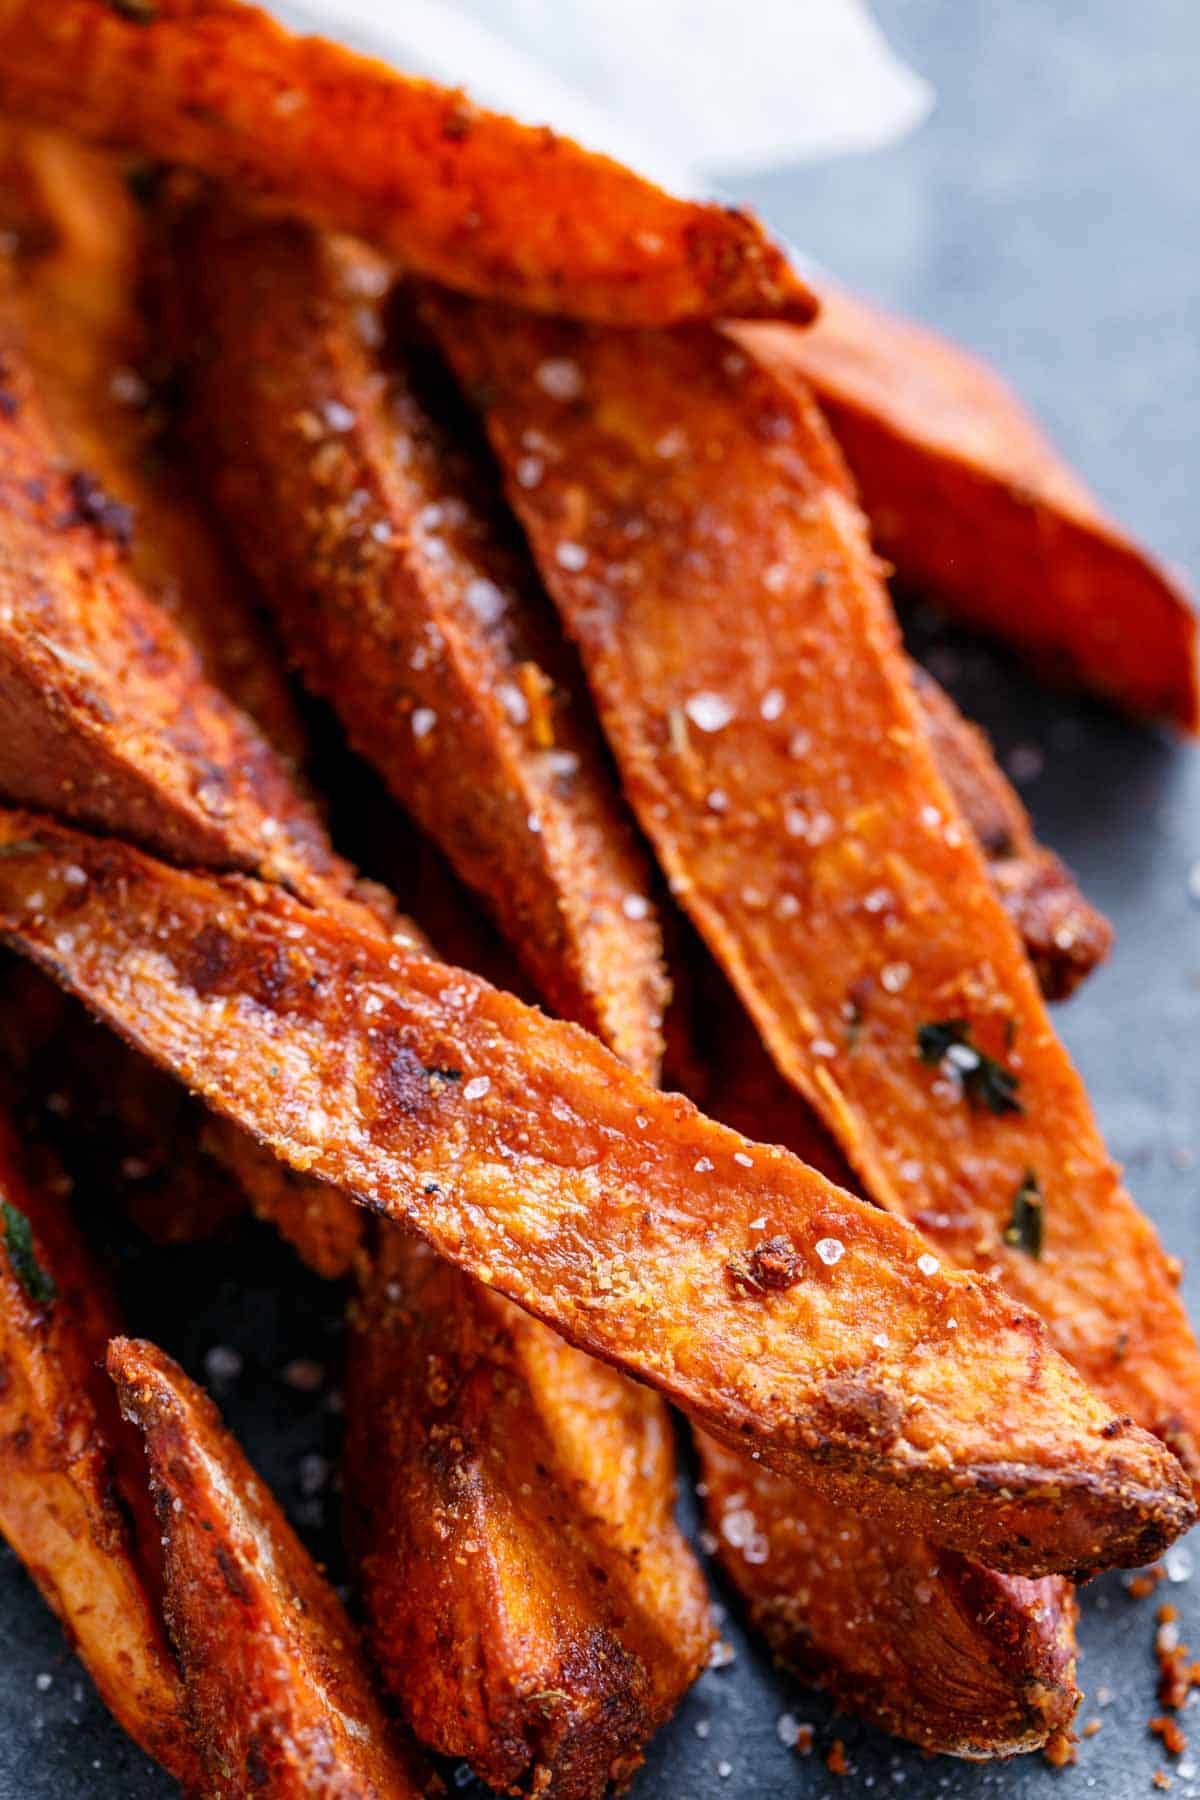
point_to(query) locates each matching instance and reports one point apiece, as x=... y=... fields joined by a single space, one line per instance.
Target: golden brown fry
x=457 y=193
x=530 y=1599
x=1063 y=934
x=977 y=511
x=740 y=645
x=64 y=1467
x=922 y=1642
x=640 y=1230
x=74 y=283
x=107 y=717
x=404 y=595
x=277 y=1691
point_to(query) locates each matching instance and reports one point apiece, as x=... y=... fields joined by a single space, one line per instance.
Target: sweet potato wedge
x=530 y=1600
x=465 y=196
x=692 y=523
x=76 y=269
x=979 y=513
x=107 y=716
x=922 y=1642
x=343 y=469
x=68 y=1492
x=277 y=1691
x=1065 y=937
x=740 y=1283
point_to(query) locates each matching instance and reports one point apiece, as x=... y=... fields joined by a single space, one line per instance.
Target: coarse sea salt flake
x=635 y=906
x=702 y=1165
x=476 y=1088
x=559 y=377
x=772 y=703
x=708 y=711
x=928 y=1265
x=423 y=721
x=572 y=557
x=830 y=1250
x=485 y=600
x=747 y=1162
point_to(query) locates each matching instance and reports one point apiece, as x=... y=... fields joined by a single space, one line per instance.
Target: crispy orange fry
x=692 y=523
x=742 y=1284
x=107 y=716
x=922 y=1642
x=457 y=193
x=531 y=1601
x=1064 y=935
x=407 y=600
x=75 y=273
x=277 y=1691
x=977 y=511
x=64 y=1467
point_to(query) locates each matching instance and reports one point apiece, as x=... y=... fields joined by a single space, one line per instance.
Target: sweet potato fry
x=76 y=270
x=530 y=1599
x=979 y=513
x=1064 y=935
x=277 y=1692
x=743 y=1285
x=457 y=193
x=67 y=1490
x=107 y=716
x=692 y=523
x=922 y=1642
x=405 y=596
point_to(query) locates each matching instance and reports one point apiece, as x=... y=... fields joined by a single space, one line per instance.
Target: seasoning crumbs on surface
x=836 y=1762
x=1060 y=1750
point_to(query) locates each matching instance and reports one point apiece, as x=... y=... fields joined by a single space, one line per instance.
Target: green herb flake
x=985 y=1082
x=22 y=1257
x=1025 y=1227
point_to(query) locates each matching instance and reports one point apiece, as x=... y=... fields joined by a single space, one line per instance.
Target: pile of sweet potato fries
x=567 y=498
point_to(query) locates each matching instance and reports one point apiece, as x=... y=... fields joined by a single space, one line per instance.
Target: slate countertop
x=1048 y=215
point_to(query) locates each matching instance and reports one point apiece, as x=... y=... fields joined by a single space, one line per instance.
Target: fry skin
x=739 y=643
x=75 y=276
x=547 y=1170
x=277 y=1691
x=65 y=1468
x=979 y=513
x=457 y=193
x=1065 y=937
x=530 y=1599
x=923 y=1643
x=403 y=593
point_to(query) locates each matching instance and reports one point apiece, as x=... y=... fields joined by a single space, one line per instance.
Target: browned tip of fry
x=277 y=1690
x=465 y=196
x=924 y=1643
x=531 y=1601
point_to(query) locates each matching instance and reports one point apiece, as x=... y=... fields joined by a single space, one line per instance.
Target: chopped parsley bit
x=985 y=1082
x=22 y=1257
x=1024 y=1229
x=436 y=1072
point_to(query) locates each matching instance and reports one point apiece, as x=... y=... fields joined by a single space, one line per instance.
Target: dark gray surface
x=1050 y=215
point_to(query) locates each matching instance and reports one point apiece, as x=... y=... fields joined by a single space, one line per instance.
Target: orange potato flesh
x=63 y=1464
x=1063 y=934
x=457 y=193
x=530 y=1599
x=978 y=512
x=923 y=1643
x=278 y=1693
x=75 y=271
x=544 y=1168
x=692 y=523
x=405 y=597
